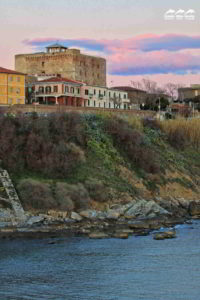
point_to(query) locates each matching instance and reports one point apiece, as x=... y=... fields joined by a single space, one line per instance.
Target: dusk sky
x=132 y=34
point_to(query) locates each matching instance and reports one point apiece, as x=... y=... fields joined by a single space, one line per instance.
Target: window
x=85 y=74
x=78 y=91
x=124 y=96
x=18 y=79
x=94 y=92
x=88 y=102
x=66 y=89
x=72 y=90
x=80 y=73
x=114 y=95
x=99 y=93
x=86 y=92
x=104 y=93
x=10 y=101
x=48 y=89
x=109 y=94
x=55 y=88
x=99 y=104
x=94 y=103
x=109 y=104
x=104 y=104
x=97 y=75
x=17 y=90
x=98 y=66
x=41 y=89
x=43 y=64
x=119 y=96
x=10 y=78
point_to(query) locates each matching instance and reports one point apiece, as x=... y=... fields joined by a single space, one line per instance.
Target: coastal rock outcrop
x=194 y=208
x=144 y=208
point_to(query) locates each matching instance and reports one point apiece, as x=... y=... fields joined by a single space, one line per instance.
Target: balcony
x=55 y=94
x=101 y=96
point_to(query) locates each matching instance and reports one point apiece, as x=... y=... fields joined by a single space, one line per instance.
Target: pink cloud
x=139 y=55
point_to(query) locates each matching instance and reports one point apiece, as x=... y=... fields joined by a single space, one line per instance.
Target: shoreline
x=95 y=229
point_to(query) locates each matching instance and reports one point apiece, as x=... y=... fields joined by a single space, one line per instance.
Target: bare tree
x=154 y=93
x=117 y=101
x=171 y=89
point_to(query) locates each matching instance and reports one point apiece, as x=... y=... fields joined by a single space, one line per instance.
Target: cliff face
x=74 y=162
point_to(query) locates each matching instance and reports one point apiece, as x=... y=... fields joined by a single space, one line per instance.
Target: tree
x=171 y=89
x=117 y=101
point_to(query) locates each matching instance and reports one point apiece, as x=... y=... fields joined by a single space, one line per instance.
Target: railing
x=44 y=93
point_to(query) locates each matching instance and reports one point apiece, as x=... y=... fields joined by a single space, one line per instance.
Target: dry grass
x=183 y=132
x=136 y=123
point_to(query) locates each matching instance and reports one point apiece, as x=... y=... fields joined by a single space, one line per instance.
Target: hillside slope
x=77 y=161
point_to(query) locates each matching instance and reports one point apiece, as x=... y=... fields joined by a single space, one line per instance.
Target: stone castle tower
x=61 y=61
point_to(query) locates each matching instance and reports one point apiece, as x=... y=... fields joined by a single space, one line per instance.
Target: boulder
x=165 y=235
x=35 y=219
x=139 y=225
x=121 y=235
x=145 y=209
x=98 y=235
x=112 y=214
x=89 y=214
x=75 y=216
x=194 y=208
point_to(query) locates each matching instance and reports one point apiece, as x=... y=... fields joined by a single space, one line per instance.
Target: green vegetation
x=64 y=161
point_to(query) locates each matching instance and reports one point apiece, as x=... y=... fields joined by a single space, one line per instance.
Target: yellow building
x=12 y=87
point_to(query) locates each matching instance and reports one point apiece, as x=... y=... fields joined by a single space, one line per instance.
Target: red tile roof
x=7 y=71
x=59 y=79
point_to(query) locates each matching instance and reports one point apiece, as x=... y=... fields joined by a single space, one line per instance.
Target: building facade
x=64 y=62
x=189 y=92
x=63 y=91
x=136 y=96
x=12 y=87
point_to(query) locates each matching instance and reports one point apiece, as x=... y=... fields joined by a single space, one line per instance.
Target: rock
x=129 y=231
x=139 y=225
x=35 y=220
x=165 y=235
x=112 y=214
x=53 y=213
x=89 y=214
x=98 y=235
x=75 y=216
x=143 y=232
x=145 y=208
x=194 y=208
x=121 y=235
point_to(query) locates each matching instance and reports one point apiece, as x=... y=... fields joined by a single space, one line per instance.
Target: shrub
x=97 y=190
x=49 y=146
x=71 y=196
x=63 y=198
x=35 y=194
x=151 y=123
x=133 y=144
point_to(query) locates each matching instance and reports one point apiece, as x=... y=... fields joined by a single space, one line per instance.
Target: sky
x=133 y=35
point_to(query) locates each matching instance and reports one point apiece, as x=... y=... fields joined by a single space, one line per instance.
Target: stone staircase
x=15 y=213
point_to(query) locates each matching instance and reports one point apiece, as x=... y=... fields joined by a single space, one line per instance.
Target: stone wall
x=70 y=64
